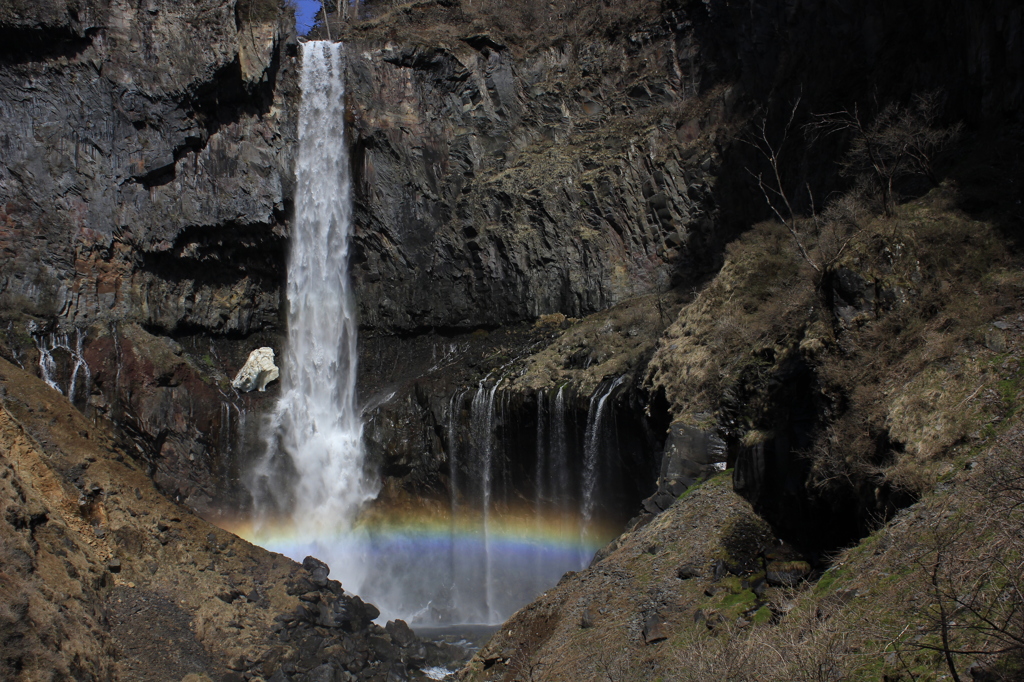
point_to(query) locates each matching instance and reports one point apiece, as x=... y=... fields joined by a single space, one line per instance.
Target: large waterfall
x=497 y=545
x=311 y=483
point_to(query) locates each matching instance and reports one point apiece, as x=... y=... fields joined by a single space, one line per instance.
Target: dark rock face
x=492 y=188
x=144 y=186
x=496 y=183
x=425 y=396
x=127 y=164
x=691 y=455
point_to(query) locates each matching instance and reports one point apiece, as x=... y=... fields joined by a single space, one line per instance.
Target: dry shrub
x=908 y=378
x=937 y=593
x=934 y=410
x=13 y=599
x=899 y=141
x=963 y=596
x=17 y=589
x=759 y=300
x=811 y=645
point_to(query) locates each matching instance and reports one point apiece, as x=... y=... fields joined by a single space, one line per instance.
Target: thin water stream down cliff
x=501 y=541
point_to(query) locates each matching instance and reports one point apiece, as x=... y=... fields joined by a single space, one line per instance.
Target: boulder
x=691 y=455
x=688 y=571
x=258 y=371
x=401 y=633
x=655 y=629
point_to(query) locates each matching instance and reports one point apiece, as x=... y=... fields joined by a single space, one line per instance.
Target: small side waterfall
x=311 y=483
x=452 y=433
x=482 y=420
x=592 y=454
x=47 y=345
x=232 y=434
x=559 y=448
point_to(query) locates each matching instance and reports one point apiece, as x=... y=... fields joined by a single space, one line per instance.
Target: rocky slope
x=705 y=592
x=104 y=578
x=890 y=383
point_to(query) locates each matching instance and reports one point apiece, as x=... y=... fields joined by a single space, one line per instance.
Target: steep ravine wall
x=145 y=188
x=498 y=182
x=496 y=186
x=492 y=188
x=145 y=185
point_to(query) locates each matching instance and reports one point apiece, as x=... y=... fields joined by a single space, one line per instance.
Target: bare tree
x=832 y=231
x=900 y=141
x=772 y=188
x=973 y=570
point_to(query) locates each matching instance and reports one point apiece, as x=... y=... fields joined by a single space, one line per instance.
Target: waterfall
x=80 y=365
x=494 y=549
x=560 y=452
x=232 y=429
x=591 y=458
x=48 y=364
x=540 y=473
x=482 y=419
x=540 y=476
x=313 y=471
x=452 y=432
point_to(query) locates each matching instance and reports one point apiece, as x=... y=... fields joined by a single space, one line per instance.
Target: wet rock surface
x=546 y=377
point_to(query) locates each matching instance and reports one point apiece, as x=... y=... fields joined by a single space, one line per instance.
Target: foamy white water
x=477 y=565
x=313 y=472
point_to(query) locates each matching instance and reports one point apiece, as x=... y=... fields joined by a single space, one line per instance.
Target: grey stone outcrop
x=258 y=371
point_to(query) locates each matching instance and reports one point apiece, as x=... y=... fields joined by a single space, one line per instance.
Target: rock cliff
x=144 y=194
x=493 y=188
x=502 y=176
x=504 y=173
x=549 y=203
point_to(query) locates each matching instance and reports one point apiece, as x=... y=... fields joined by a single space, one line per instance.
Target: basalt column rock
x=133 y=160
x=494 y=186
x=145 y=183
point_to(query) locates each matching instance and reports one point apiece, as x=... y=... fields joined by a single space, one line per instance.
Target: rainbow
x=430 y=566
x=429 y=529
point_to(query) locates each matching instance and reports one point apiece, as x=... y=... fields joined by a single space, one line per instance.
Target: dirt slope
x=103 y=578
